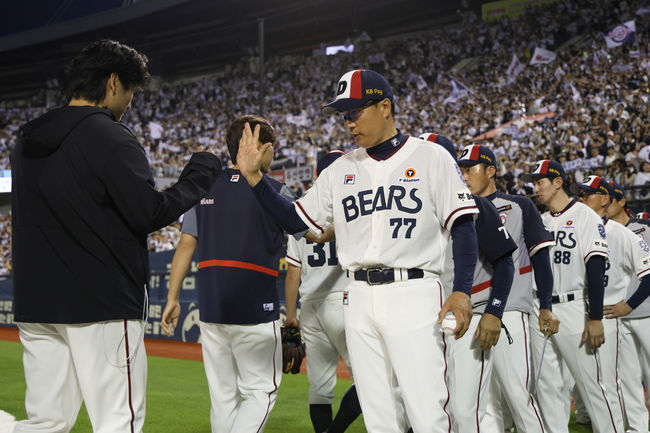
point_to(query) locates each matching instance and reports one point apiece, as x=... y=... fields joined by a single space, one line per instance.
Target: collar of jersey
x=492 y=196
x=385 y=150
x=556 y=214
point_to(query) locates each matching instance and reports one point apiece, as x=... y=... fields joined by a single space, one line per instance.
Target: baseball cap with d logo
x=545 y=168
x=593 y=185
x=475 y=154
x=356 y=88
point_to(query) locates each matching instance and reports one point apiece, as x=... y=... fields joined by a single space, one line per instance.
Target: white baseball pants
x=104 y=364
x=512 y=378
x=394 y=340
x=469 y=379
x=634 y=367
x=586 y=366
x=323 y=329
x=243 y=365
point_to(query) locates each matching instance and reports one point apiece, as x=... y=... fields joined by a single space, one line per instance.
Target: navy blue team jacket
x=238 y=247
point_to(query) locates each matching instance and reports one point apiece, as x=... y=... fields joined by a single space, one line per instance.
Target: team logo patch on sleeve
x=644 y=246
x=464 y=196
x=600 y=245
x=268 y=306
x=349 y=179
x=601 y=230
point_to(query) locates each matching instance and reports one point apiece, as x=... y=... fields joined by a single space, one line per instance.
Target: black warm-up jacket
x=83 y=202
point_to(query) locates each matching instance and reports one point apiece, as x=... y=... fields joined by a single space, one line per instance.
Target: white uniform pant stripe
x=397 y=354
x=65 y=364
x=128 y=373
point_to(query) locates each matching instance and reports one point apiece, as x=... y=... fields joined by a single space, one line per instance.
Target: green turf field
x=177 y=397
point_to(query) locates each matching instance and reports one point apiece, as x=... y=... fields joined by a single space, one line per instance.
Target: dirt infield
x=171 y=349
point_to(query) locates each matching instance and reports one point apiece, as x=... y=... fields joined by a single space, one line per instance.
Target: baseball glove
x=293 y=349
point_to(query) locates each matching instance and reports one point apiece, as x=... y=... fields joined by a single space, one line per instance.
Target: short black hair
x=236 y=128
x=87 y=73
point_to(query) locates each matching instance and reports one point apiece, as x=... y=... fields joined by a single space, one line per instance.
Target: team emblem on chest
x=409 y=176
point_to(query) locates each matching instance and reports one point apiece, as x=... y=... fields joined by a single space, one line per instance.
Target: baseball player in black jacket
x=83 y=202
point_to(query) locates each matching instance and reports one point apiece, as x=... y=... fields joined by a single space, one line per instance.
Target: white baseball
x=449 y=324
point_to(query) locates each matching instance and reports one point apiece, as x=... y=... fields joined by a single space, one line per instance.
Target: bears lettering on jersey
x=567 y=240
x=367 y=204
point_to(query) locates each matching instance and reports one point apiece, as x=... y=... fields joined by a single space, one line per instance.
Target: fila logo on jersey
x=349 y=179
x=207 y=201
x=345 y=298
x=234 y=178
x=395 y=142
x=496 y=302
x=368 y=204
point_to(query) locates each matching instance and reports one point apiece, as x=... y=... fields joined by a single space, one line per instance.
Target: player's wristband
x=504 y=272
x=596 y=286
x=641 y=293
x=541 y=262
x=282 y=209
x=465 y=252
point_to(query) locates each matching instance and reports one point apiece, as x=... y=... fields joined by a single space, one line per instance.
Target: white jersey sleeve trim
x=467 y=210
x=307 y=219
x=293 y=261
x=595 y=253
x=643 y=273
x=546 y=244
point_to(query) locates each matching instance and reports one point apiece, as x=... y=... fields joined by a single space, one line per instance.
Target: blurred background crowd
x=588 y=108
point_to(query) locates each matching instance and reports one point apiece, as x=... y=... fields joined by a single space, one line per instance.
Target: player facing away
x=634 y=322
x=627 y=254
x=393 y=202
x=237 y=242
x=83 y=200
x=578 y=262
x=511 y=371
x=471 y=361
x=314 y=271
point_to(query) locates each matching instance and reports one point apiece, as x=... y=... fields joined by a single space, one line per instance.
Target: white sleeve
x=293 y=252
x=451 y=196
x=593 y=237
x=315 y=207
x=640 y=255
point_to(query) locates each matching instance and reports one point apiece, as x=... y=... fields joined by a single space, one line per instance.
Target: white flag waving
x=515 y=68
x=621 y=34
x=542 y=56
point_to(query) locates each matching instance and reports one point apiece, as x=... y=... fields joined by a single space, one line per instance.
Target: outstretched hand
x=249 y=156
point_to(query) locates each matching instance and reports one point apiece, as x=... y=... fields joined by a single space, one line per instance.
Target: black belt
x=376 y=276
x=556 y=299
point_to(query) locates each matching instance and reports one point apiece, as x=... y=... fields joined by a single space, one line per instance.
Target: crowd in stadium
x=598 y=98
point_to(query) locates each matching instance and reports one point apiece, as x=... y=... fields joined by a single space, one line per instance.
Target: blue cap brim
x=341 y=105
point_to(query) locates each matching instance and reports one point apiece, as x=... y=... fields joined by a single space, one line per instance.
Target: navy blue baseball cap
x=327 y=159
x=441 y=140
x=357 y=87
x=475 y=154
x=593 y=184
x=545 y=168
x=619 y=190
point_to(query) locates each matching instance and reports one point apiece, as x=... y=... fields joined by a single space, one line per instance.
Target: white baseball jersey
x=579 y=234
x=385 y=212
x=629 y=261
x=641 y=228
x=320 y=273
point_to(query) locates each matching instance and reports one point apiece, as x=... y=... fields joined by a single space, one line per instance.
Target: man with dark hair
x=394 y=202
x=83 y=202
x=238 y=244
